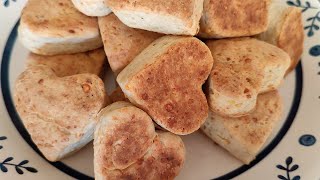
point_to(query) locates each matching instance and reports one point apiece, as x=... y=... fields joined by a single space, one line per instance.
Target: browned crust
x=291 y=36
x=125 y=137
x=58 y=18
x=164 y=160
x=170 y=89
x=66 y=65
x=122 y=43
x=233 y=18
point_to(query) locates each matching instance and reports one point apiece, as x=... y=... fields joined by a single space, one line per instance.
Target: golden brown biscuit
x=59 y=113
x=123 y=136
x=165 y=80
x=233 y=18
x=244 y=137
x=56 y=27
x=179 y=17
x=285 y=31
x=243 y=68
x=122 y=43
x=91 y=62
x=126 y=146
x=163 y=160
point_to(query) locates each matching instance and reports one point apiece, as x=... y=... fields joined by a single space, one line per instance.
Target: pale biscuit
x=245 y=136
x=58 y=113
x=179 y=17
x=285 y=30
x=243 y=68
x=92 y=7
x=56 y=27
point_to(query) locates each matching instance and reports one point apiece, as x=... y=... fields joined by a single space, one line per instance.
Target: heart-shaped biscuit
x=123 y=136
x=245 y=136
x=243 y=68
x=126 y=146
x=179 y=17
x=285 y=30
x=56 y=27
x=166 y=79
x=59 y=113
x=163 y=160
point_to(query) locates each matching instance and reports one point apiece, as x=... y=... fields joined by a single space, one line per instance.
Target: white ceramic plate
x=291 y=153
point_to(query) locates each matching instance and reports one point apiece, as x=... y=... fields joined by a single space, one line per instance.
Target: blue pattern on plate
x=6 y=3
x=2 y=138
x=315 y=50
x=314 y=26
x=18 y=167
x=298 y=3
x=288 y=169
x=307 y=140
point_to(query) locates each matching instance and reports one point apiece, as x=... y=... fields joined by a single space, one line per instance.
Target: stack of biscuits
x=169 y=82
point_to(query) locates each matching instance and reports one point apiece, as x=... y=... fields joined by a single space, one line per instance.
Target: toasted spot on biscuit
x=86 y=88
x=41 y=81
